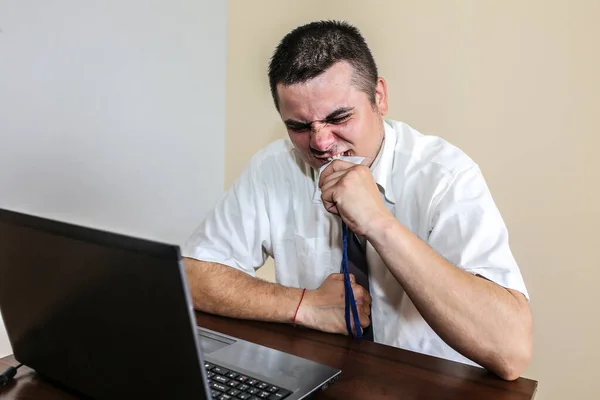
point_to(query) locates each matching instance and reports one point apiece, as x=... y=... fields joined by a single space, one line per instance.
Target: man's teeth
x=337 y=156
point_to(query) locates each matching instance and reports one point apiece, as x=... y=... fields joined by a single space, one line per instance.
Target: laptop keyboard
x=226 y=384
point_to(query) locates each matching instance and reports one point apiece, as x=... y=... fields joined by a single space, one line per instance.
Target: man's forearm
x=219 y=289
x=483 y=321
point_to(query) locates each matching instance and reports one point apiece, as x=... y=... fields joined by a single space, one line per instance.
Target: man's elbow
x=513 y=366
x=518 y=353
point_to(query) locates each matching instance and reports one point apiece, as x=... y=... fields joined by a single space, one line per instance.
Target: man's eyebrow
x=337 y=113
x=294 y=122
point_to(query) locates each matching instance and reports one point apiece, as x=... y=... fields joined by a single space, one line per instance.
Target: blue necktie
x=354 y=261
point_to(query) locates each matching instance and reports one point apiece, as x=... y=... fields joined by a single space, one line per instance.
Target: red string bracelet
x=297 y=308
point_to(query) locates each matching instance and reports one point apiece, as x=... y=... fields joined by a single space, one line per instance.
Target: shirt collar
x=381 y=167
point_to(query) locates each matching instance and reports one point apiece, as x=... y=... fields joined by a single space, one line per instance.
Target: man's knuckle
x=343 y=182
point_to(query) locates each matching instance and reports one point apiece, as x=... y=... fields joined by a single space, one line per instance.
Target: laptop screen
x=105 y=314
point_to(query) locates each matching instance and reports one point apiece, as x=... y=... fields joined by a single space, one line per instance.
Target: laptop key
x=215 y=393
x=241 y=378
x=244 y=396
x=253 y=391
x=243 y=387
x=282 y=394
x=262 y=385
x=220 y=370
x=273 y=389
x=264 y=395
x=233 y=392
x=232 y=375
x=220 y=379
x=252 y=382
x=225 y=397
x=233 y=384
x=208 y=366
x=218 y=386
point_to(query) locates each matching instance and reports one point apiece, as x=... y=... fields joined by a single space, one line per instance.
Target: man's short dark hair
x=309 y=50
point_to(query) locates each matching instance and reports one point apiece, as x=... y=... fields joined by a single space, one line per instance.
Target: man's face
x=348 y=124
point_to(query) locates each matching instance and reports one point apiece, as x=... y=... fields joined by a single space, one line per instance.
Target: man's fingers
x=328 y=185
x=330 y=207
x=360 y=293
x=366 y=308
x=340 y=277
x=364 y=320
x=335 y=166
x=339 y=168
x=363 y=299
x=327 y=195
x=330 y=180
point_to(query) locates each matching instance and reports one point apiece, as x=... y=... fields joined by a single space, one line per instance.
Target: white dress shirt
x=430 y=186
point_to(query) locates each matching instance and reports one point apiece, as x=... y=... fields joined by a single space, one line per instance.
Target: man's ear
x=381 y=100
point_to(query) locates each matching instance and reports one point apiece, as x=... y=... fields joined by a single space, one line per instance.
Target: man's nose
x=321 y=138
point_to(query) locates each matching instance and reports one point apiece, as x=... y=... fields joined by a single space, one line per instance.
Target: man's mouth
x=334 y=157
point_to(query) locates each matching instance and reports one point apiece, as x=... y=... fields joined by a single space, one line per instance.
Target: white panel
x=112 y=113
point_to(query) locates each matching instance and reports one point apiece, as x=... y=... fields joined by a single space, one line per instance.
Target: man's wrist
x=302 y=315
x=379 y=227
x=294 y=320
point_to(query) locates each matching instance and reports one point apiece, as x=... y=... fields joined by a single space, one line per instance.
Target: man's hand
x=323 y=308
x=349 y=190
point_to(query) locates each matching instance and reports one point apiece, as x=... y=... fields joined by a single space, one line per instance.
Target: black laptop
x=109 y=316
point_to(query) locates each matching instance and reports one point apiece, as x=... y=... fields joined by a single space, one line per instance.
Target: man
x=442 y=279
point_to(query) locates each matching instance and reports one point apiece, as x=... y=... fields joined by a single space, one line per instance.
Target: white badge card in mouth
x=351 y=159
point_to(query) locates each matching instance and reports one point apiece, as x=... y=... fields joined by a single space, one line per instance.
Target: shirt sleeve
x=468 y=230
x=236 y=232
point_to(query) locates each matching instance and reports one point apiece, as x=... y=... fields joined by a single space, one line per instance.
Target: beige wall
x=514 y=84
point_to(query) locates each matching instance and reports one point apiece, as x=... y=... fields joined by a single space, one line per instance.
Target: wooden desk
x=369 y=370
